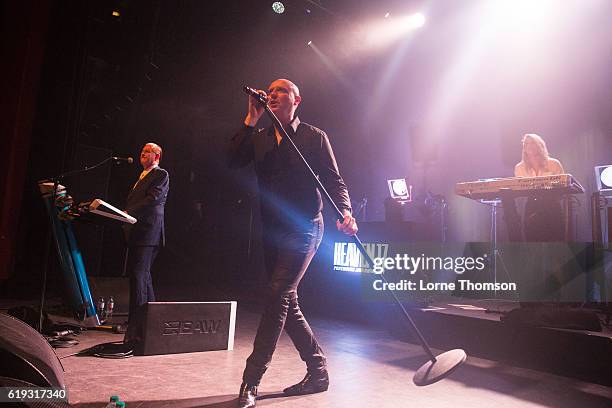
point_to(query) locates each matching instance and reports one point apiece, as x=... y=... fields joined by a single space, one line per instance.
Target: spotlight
x=415 y=20
x=603 y=176
x=278 y=7
x=309 y=42
x=387 y=15
x=116 y=13
x=400 y=191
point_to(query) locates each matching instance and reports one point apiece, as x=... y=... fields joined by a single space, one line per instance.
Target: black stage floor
x=368 y=367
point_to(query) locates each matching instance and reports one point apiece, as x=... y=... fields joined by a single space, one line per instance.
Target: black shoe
x=311 y=384
x=113 y=350
x=247 y=396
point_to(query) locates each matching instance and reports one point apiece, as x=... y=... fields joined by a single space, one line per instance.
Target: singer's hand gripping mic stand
x=437 y=367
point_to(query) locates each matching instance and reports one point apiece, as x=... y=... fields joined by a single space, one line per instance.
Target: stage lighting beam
x=392 y=28
x=416 y=20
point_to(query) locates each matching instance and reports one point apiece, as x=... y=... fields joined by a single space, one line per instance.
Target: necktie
x=144 y=173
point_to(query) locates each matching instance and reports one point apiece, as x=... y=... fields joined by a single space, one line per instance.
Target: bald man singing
x=292 y=228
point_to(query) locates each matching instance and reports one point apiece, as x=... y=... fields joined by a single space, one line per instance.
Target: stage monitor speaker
x=185 y=327
x=27 y=356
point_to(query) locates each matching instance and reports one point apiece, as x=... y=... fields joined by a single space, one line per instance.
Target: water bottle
x=113 y=402
x=110 y=305
x=100 y=309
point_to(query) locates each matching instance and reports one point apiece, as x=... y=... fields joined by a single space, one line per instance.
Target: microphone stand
x=56 y=182
x=437 y=367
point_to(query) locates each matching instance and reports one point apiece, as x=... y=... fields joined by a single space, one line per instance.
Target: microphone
x=252 y=92
x=127 y=160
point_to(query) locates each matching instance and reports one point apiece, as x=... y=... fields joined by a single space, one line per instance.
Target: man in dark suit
x=146 y=203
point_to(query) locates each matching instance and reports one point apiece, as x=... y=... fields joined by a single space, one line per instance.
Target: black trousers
x=287 y=255
x=542 y=220
x=139 y=262
x=512 y=218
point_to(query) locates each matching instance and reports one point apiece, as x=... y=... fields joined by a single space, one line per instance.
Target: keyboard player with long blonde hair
x=543 y=215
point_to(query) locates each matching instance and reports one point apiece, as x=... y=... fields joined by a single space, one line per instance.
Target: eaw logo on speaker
x=178 y=327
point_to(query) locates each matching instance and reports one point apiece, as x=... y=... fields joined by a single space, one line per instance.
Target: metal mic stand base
x=435 y=370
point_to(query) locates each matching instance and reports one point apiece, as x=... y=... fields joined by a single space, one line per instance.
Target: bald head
x=293 y=87
x=150 y=155
x=283 y=99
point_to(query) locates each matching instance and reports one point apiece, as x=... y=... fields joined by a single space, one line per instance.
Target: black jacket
x=146 y=203
x=288 y=195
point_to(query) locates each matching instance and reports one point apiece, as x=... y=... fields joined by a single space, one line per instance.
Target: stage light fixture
x=603 y=176
x=387 y=15
x=400 y=191
x=116 y=13
x=278 y=7
x=309 y=42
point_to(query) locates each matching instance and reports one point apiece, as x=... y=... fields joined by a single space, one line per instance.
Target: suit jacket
x=146 y=203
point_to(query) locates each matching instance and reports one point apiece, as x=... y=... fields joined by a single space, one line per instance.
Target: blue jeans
x=287 y=255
